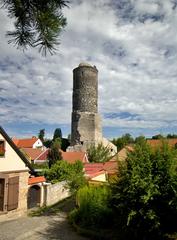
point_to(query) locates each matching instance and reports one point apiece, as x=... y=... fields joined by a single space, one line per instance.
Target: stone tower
x=86 y=122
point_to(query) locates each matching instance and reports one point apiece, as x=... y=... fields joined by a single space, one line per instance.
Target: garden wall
x=55 y=192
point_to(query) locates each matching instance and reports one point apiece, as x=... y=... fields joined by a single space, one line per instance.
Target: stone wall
x=85 y=89
x=55 y=192
x=22 y=198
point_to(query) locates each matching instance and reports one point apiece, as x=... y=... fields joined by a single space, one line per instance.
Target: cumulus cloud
x=133 y=43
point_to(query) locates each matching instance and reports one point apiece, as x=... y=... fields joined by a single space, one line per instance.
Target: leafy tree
x=54 y=153
x=158 y=136
x=64 y=144
x=145 y=194
x=47 y=143
x=98 y=153
x=64 y=171
x=37 y=23
x=41 y=134
x=140 y=139
x=171 y=135
x=123 y=141
x=57 y=134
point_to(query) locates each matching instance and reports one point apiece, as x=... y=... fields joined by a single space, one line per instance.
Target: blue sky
x=133 y=44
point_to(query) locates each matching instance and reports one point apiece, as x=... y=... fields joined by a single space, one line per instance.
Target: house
x=33 y=142
x=72 y=157
x=19 y=187
x=101 y=172
x=36 y=155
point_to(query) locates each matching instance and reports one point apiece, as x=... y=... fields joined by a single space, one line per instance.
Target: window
x=2 y=148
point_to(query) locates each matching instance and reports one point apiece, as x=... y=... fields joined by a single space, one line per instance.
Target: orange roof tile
x=158 y=142
x=32 y=153
x=72 y=157
x=25 y=143
x=34 y=180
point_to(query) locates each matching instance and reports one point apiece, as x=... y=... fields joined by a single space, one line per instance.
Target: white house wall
x=11 y=161
x=38 y=144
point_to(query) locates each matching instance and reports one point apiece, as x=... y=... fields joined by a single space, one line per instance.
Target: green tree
x=57 y=134
x=171 y=135
x=123 y=141
x=54 y=152
x=145 y=194
x=41 y=134
x=140 y=139
x=158 y=136
x=98 y=153
x=37 y=23
x=64 y=171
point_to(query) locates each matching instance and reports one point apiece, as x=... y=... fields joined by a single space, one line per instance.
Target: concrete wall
x=55 y=192
x=11 y=161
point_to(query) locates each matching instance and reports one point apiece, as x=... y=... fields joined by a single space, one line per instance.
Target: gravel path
x=49 y=226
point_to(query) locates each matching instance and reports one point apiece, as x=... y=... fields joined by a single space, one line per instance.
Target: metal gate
x=34 y=196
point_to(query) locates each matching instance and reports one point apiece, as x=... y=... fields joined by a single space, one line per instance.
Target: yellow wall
x=101 y=177
x=11 y=161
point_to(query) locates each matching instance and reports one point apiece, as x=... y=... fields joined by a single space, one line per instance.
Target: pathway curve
x=53 y=225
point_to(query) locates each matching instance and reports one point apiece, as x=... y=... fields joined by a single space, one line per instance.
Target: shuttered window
x=13 y=192
x=2 y=148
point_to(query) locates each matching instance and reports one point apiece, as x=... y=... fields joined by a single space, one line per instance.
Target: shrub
x=144 y=196
x=63 y=171
x=98 y=153
x=93 y=211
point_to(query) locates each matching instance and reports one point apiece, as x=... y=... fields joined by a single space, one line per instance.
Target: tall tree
x=54 y=153
x=37 y=23
x=41 y=134
x=145 y=193
x=57 y=134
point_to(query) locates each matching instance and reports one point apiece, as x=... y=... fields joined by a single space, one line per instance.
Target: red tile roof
x=95 y=169
x=24 y=143
x=34 y=180
x=158 y=142
x=72 y=157
x=32 y=153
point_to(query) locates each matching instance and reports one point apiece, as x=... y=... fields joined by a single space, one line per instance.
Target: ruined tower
x=86 y=122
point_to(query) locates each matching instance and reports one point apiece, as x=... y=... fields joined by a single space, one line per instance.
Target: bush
x=93 y=211
x=63 y=171
x=144 y=198
x=98 y=153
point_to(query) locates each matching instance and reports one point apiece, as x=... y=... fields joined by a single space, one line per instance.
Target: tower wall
x=85 y=89
x=86 y=122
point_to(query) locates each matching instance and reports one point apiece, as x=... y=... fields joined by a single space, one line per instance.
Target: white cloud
x=136 y=60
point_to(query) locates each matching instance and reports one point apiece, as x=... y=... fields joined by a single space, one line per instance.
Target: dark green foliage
x=57 y=134
x=93 y=211
x=47 y=143
x=41 y=134
x=98 y=153
x=123 y=141
x=171 y=135
x=63 y=171
x=37 y=23
x=158 y=136
x=54 y=152
x=64 y=144
x=145 y=195
x=140 y=139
